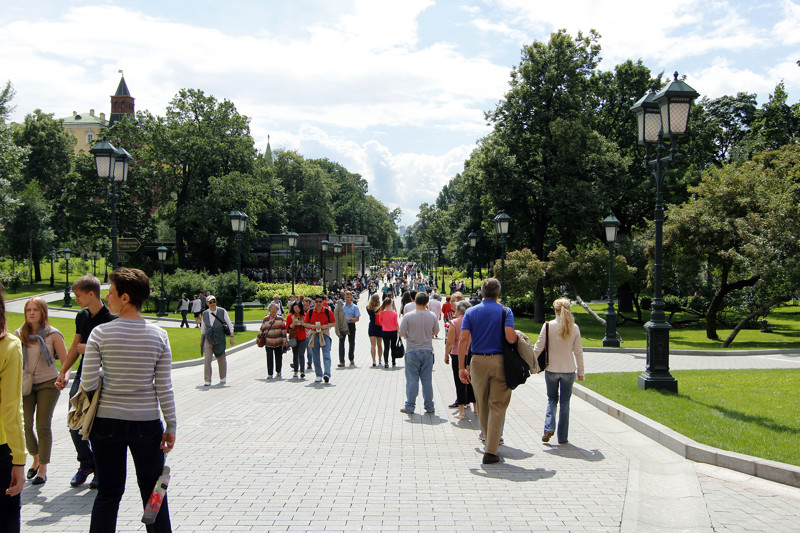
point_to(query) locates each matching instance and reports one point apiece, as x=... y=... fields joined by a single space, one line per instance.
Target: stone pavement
x=292 y=455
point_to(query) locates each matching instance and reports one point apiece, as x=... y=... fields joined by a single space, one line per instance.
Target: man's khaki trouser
x=208 y=355
x=488 y=377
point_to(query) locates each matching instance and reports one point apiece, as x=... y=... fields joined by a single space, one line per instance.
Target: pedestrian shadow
x=569 y=451
x=511 y=472
x=508 y=452
x=64 y=506
x=425 y=419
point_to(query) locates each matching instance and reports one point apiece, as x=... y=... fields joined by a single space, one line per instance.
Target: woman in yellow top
x=12 y=441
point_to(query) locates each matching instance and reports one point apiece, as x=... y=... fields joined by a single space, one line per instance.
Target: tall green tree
x=50 y=148
x=28 y=234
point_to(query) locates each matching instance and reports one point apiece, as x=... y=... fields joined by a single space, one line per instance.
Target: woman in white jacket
x=565 y=357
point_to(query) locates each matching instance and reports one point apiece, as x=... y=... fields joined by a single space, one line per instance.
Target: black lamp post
x=52 y=266
x=439 y=249
x=239 y=225
x=660 y=116
x=323 y=246
x=611 y=224
x=337 y=249
x=112 y=165
x=502 y=222
x=293 y=245
x=162 y=300
x=473 y=242
x=67 y=300
x=104 y=251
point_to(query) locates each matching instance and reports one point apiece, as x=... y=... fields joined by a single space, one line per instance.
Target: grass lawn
x=185 y=343
x=754 y=412
x=784 y=321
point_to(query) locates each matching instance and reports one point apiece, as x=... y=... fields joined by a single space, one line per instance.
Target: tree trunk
x=37 y=268
x=593 y=313
x=761 y=311
x=626 y=299
x=716 y=301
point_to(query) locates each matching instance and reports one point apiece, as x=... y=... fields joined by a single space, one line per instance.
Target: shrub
x=12 y=277
x=645 y=303
x=265 y=291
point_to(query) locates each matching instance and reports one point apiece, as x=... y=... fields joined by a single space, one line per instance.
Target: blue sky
x=395 y=91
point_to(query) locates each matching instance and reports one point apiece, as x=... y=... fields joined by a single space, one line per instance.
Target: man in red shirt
x=321 y=319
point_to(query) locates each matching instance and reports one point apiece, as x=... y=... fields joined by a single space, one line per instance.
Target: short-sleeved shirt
x=325 y=317
x=388 y=320
x=351 y=311
x=300 y=332
x=85 y=323
x=419 y=327
x=483 y=323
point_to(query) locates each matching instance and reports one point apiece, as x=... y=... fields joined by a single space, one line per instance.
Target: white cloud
x=723 y=79
x=788 y=29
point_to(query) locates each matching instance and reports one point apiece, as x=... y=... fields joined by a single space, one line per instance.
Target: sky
x=395 y=91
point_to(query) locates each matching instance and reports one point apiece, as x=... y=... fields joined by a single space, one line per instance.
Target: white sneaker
x=222 y=381
x=318 y=380
x=295 y=375
x=207 y=384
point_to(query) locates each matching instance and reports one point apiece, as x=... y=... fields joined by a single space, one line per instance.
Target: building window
x=89 y=138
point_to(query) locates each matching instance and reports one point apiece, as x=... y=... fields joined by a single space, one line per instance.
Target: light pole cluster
x=112 y=165
x=611 y=224
x=239 y=225
x=67 y=300
x=292 y=236
x=660 y=116
x=162 y=300
x=323 y=247
x=502 y=221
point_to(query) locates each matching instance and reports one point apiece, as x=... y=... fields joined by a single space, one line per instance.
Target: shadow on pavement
x=511 y=472
x=568 y=451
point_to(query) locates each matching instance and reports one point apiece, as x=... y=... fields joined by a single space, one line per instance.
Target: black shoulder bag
x=517 y=370
x=544 y=358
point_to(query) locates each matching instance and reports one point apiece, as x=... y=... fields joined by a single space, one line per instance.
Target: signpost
x=123 y=257
x=128 y=244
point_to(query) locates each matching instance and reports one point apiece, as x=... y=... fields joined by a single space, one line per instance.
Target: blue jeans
x=111 y=439
x=326 y=357
x=559 y=391
x=419 y=367
x=85 y=455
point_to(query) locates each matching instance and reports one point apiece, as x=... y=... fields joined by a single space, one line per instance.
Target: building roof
x=122 y=88
x=83 y=119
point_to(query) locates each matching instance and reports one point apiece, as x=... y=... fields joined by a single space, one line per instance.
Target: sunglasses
x=211 y=301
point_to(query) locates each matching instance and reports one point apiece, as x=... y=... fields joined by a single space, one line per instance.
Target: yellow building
x=85 y=127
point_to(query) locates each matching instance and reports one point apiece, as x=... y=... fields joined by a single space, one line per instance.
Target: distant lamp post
x=502 y=221
x=293 y=245
x=664 y=115
x=439 y=249
x=611 y=225
x=337 y=249
x=67 y=300
x=323 y=246
x=473 y=242
x=239 y=225
x=162 y=300
x=52 y=266
x=112 y=165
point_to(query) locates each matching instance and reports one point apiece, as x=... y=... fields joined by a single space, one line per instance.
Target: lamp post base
x=611 y=340
x=238 y=312
x=656 y=374
x=162 y=305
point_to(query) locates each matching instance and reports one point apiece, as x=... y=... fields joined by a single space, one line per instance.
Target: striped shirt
x=137 y=371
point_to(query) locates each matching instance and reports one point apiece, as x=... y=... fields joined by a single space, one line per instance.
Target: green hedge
x=223 y=286
x=266 y=291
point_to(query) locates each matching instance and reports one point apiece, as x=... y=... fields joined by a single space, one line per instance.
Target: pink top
x=388 y=320
x=455 y=325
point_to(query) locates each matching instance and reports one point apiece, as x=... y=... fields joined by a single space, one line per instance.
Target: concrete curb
x=714 y=353
x=689 y=449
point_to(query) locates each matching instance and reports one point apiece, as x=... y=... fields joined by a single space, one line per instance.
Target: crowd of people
x=127 y=363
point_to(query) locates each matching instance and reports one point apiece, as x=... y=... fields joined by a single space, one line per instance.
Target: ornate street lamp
x=337 y=249
x=611 y=224
x=439 y=250
x=112 y=165
x=660 y=116
x=323 y=246
x=162 y=300
x=52 y=266
x=67 y=300
x=239 y=225
x=502 y=222
x=292 y=236
x=473 y=242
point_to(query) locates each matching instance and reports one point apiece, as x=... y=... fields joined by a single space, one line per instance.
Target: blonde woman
x=565 y=359
x=375 y=331
x=40 y=343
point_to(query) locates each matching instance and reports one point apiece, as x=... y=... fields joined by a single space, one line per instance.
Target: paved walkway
x=292 y=455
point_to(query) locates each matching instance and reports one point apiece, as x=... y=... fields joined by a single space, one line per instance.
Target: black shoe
x=32 y=473
x=39 y=480
x=453 y=405
x=490 y=458
x=385 y=365
x=80 y=477
x=93 y=482
x=308 y=367
x=326 y=378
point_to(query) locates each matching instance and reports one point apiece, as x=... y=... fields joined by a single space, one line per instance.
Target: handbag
x=398 y=350
x=225 y=328
x=517 y=370
x=27 y=379
x=261 y=339
x=544 y=358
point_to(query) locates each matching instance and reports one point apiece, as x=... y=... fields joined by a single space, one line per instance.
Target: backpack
x=517 y=370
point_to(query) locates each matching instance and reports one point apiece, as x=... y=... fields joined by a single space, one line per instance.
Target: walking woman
x=137 y=379
x=565 y=357
x=297 y=330
x=404 y=301
x=273 y=330
x=40 y=343
x=12 y=440
x=464 y=393
x=212 y=331
x=389 y=328
x=375 y=331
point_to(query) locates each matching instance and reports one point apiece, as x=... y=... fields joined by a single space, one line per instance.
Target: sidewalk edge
x=714 y=353
x=199 y=360
x=694 y=451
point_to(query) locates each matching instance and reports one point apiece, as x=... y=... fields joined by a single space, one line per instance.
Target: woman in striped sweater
x=273 y=329
x=136 y=365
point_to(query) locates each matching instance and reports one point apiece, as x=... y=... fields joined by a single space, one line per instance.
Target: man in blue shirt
x=351 y=315
x=482 y=327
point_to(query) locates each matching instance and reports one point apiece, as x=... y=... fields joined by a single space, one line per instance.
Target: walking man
x=483 y=328
x=94 y=313
x=351 y=316
x=197 y=308
x=183 y=307
x=419 y=326
x=321 y=319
